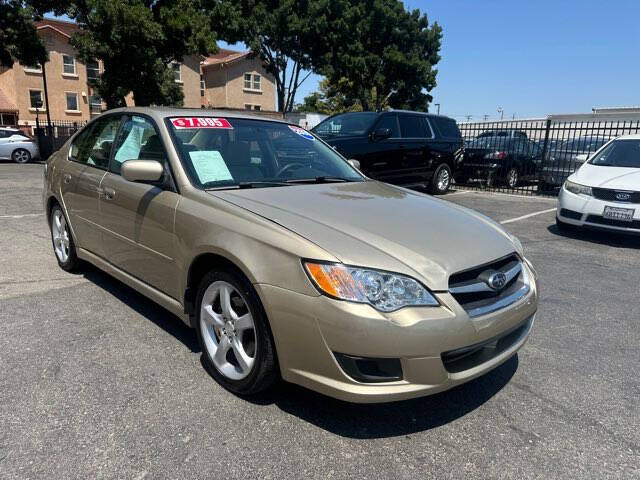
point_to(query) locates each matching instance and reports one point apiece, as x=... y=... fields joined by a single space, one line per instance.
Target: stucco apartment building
x=227 y=79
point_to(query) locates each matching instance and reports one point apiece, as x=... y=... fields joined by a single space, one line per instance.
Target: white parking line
x=20 y=216
x=522 y=217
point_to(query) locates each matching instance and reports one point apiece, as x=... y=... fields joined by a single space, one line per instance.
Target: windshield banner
x=200 y=123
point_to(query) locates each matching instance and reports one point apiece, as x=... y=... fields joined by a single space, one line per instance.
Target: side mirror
x=142 y=170
x=582 y=157
x=381 y=134
x=354 y=163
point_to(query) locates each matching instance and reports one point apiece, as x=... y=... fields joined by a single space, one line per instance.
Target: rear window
x=447 y=127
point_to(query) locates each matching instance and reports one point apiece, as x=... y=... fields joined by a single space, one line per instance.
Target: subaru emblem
x=497 y=280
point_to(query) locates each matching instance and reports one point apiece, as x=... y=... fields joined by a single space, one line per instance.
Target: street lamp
x=501 y=112
x=438 y=106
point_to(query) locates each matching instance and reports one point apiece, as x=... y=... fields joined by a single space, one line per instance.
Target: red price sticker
x=200 y=123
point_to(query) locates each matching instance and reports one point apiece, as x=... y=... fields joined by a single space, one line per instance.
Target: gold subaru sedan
x=285 y=259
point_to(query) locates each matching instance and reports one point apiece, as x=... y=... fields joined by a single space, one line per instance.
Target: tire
x=21 y=156
x=511 y=178
x=64 y=247
x=246 y=363
x=441 y=180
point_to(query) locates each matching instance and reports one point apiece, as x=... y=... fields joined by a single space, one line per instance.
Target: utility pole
x=469 y=118
x=501 y=112
x=486 y=117
x=438 y=106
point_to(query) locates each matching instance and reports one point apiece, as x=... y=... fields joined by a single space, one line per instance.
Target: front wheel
x=441 y=180
x=236 y=342
x=21 y=156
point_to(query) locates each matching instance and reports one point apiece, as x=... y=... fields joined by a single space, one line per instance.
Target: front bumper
x=309 y=331
x=584 y=211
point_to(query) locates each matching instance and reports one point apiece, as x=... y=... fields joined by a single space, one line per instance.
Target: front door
x=138 y=218
x=81 y=177
x=382 y=156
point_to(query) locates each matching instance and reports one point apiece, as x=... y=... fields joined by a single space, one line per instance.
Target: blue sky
x=531 y=58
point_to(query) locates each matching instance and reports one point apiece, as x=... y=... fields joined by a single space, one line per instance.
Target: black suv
x=399 y=147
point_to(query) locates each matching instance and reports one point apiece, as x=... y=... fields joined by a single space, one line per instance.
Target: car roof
x=165 y=112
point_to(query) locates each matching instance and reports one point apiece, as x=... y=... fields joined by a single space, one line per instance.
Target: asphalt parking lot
x=97 y=381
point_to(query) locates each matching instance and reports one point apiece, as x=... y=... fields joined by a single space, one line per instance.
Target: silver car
x=16 y=146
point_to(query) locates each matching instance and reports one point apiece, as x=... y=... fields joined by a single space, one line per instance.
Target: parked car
x=564 y=158
x=503 y=134
x=499 y=159
x=285 y=266
x=604 y=193
x=399 y=147
x=17 y=146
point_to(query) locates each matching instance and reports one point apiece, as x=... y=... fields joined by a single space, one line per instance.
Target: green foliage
x=388 y=56
x=136 y=40
x=290 y=36
x=18 y=36
x=329 y=100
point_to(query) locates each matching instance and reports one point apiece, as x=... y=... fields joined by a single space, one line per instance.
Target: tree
x=136 y=41
x=328 y=99
x=388 y=57
x=19 y=39
x=290 y=37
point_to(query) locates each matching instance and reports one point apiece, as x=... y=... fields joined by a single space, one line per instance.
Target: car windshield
x=584 y=144
x=619 y=153
x=229 y=153
x=357 y=123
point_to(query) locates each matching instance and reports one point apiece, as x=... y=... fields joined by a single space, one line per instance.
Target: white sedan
x=17 y=146
x=604 y=193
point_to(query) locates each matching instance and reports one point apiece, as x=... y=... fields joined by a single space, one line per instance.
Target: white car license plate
x=618 y=213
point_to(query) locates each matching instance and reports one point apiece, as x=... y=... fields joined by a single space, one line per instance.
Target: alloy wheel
x=228 y=330
x=60 y=232
x=21 y=156
x=512 y=178
x=443 y=180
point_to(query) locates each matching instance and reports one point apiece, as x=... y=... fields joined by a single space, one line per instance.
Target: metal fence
x=51 y=137
x=532 y=157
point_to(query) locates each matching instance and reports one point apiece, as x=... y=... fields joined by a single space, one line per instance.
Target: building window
x=35 y=99
x=252 y=81
x=93 y=71
x=252 y=107
x=68 y=65
x=177 y=73
x=95 y=104
x=202 y=89
x=256 y=107
x=35 y=68
x=72 y=101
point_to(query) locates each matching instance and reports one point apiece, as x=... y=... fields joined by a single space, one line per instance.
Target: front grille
x=477 y=292
x=612 y=195
x=598 y=219
x=571 y=214
x=469 y=357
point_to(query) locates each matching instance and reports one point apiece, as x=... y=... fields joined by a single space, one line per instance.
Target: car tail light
x=498 y=155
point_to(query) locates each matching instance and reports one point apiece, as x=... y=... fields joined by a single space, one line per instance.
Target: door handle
x=66 y=178
x=108 y=193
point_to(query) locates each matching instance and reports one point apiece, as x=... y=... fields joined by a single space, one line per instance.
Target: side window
x=137 y=139
x=92 y=146
x=389 y=122
x=412 y=126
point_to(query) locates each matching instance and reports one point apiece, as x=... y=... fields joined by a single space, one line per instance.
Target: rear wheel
x=441 y=180
x=21 y=156
x=232 y=328
x=62 y=240
x=512 y=178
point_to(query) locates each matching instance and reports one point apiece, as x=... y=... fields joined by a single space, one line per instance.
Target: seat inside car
x=238 y=159
x=152 y=149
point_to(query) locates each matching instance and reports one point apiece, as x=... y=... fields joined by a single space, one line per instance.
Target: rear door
x=138 y=218
x=87 y=164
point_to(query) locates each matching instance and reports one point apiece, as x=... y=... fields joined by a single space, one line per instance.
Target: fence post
x=546 y=139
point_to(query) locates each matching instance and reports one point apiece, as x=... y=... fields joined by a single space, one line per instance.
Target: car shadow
x=608 y=238
x=144 y=306
x=400 y=418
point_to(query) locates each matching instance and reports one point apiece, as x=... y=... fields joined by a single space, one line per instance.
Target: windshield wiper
x=322 y=179
x=260 y=183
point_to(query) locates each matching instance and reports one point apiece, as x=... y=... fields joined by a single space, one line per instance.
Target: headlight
x=385 y=291
x=577 y=188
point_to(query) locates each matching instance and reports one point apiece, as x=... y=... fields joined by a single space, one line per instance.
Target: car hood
x=623 y=178
x=377 y=225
